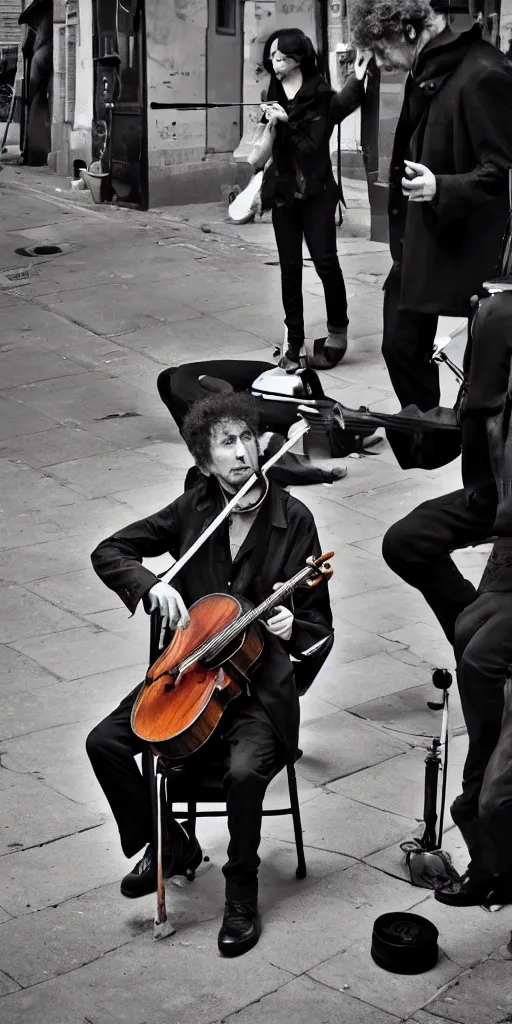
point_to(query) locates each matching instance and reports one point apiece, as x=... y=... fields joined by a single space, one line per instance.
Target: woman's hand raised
x=274 y=112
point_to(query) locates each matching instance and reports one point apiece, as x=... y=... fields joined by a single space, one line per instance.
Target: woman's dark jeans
x=314 y=220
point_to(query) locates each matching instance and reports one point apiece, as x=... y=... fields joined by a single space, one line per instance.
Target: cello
x=207 y=665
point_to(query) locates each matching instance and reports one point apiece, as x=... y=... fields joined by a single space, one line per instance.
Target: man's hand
x=171 y=606
x=280 y=622
x=274 y=112
x=363 y=58
x=418 y=184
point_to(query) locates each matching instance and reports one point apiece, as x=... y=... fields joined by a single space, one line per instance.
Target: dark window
x=226 y=17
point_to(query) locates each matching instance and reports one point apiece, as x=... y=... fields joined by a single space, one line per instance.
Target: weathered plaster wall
x=176 y=72
x=80 y=136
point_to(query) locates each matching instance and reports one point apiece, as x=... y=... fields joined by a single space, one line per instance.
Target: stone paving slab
x=50 y=874
x=81 y=651
x=36 y=561
x=33 y=814
x=306 y=1002
x=426 y=641
x=16 y=531
x=80 y=592
x=19 y=674
x=396 y=785
x=63 y=703
x=332 y=822
x=7 y=984
x=399 y=994
x=483 y=996
x=341 y=744
x=53 y=446
x=336 y=911
x=24 y=615
x=407 y=712
x=148 y=981
x=367 y=678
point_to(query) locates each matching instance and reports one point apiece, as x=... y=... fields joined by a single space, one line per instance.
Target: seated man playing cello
x=265 y=542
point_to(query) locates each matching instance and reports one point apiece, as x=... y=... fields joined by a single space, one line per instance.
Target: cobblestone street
x=86 y=446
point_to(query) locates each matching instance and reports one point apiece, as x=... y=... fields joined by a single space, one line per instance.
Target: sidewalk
x=86 y=446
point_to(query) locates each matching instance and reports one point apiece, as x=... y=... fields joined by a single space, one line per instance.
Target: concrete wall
x=80 y=133
x=180 y=170
x=10 y=31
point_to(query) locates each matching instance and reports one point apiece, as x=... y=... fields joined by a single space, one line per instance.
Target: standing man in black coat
x=448 y=193
x=264 y=542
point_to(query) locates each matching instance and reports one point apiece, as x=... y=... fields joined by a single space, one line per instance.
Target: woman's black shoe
x=476 y=891
x=143 y=879
x=241 y=928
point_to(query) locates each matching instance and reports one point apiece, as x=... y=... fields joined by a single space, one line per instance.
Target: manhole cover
x=40 y=250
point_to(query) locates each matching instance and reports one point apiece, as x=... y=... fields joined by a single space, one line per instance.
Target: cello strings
x=216 y=645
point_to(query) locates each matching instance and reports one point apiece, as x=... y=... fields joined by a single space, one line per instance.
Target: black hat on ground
x=404 y=943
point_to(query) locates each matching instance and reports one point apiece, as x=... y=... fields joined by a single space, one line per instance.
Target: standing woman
x=299 y=186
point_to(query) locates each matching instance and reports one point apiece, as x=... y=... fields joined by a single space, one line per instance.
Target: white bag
x=247 y=202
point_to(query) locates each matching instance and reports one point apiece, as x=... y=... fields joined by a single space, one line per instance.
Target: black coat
x=282 y=537
x=458 y=105
x=301 y=158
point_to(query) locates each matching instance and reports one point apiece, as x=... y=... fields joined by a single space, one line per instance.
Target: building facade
x=162 y=91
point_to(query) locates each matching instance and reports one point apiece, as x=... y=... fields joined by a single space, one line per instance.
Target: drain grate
x=40 y=250
x=21 y=274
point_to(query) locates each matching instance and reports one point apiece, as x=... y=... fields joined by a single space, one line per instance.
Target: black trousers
x=312 y=219
x=407 y=347
x=247 y=754
x=483 y=811
x=478 y=624
x=180 y=386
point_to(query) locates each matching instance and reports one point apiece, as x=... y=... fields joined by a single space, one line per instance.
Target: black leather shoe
x=476 y=891
x=241 y=928
x=143 y=878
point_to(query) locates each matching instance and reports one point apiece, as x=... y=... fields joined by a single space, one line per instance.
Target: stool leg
x=162 y=926
x=301 y=870
x=192 y=818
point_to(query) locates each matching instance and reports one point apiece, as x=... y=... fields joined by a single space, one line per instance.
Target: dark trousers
x=180 y=386
x=418 y=548
x=248 y=755
x=483 y=811
x=407 y=347
x=314 y=220
x=478 y=624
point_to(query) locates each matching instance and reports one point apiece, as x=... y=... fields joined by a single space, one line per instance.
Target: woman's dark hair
x=208 y=413
x=294 y=43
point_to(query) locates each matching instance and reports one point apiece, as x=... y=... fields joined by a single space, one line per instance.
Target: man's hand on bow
x=418 y=184
x=280 y=622
x=170 y=604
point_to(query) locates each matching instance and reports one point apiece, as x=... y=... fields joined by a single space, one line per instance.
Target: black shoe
x=476 y=891
x=241 y=928
x=143 y=879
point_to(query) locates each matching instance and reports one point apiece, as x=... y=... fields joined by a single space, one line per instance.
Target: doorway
x=120 y=132
x=224 y=57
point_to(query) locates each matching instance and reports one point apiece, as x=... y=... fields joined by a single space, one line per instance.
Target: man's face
x=281 y=63
x=394 y=55
x=233 y=454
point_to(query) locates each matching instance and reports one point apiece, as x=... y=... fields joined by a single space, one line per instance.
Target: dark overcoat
x=280 y=540
x=444 y=250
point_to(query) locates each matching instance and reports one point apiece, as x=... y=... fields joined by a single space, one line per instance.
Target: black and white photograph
x=255 y=511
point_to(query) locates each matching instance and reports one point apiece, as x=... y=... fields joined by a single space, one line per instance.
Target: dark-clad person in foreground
x=478 y=622
x=262 y=543
x=448 y=186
